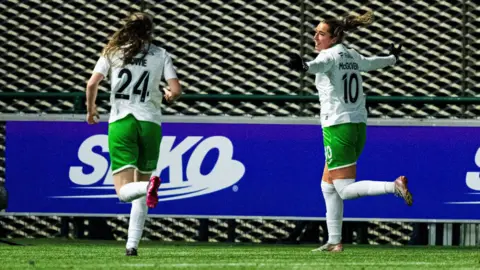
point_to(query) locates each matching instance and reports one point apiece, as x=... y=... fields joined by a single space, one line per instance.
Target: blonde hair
x=352 y=22
x=337 y=28
x=131 y=38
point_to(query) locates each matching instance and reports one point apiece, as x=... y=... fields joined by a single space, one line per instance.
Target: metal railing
x=78 y=98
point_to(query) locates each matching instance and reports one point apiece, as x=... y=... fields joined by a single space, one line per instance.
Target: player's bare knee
x=142 y=176
x=122 y=178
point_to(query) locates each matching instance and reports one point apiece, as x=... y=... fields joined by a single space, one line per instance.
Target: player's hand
x=93 y=117
x=296 y=62
x=168 y=96
x=395 y=51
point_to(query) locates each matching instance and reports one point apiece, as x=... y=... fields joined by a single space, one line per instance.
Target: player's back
x=135 y=87
x=340 y=87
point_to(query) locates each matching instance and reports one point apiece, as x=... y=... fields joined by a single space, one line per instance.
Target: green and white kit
x=342 y=101
x=134 y=131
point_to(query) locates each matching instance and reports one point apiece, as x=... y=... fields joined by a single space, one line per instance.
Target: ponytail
x=352 y=22
x=337 y=28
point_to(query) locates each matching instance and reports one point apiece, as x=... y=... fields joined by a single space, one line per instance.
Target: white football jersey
x=339 y=83
x=135 y=87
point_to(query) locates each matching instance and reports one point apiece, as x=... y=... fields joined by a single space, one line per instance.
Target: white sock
x=348 y=189
x=334 y=205
x=138 y=214
x=132 y=191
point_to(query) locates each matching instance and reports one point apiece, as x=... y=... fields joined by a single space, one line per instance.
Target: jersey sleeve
x=374 y=62
x=102 y=66
x=169 y=70
x=321 y=64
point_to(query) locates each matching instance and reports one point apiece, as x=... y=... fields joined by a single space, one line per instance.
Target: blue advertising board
x=244 y=170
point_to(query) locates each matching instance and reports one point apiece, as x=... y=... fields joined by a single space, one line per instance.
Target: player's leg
x=333 y=201
x=348 y=141
x=138 y=215
x=334 y=215
x=150 y=139
x=149 y=148
x=123 y=148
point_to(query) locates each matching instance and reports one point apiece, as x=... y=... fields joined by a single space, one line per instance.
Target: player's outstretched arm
x=296 y=62
x=321 y=64
x=380 y=61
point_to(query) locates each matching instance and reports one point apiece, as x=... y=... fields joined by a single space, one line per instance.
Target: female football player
x=136 y=68
x=343 y=116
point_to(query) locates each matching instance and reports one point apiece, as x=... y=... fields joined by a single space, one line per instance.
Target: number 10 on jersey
x=350 y=94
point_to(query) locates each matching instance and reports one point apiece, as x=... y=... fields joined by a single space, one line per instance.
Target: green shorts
x=134 y=144
x=343 y=144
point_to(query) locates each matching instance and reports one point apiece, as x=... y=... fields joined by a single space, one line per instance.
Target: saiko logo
x=186 y=179
x=473 y=178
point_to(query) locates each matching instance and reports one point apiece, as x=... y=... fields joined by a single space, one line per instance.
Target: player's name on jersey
x=349 y=65
x=139 y=62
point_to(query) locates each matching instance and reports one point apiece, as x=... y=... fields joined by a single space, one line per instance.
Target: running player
x=135 y=67
x=343 y=116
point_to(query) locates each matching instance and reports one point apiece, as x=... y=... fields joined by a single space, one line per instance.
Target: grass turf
x=83 y=254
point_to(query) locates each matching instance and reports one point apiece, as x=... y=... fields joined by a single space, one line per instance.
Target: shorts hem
x=341 y=167
x=145 y=172
x=123 y=168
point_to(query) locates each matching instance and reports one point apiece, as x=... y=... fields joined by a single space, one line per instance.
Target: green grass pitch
x=83 y=254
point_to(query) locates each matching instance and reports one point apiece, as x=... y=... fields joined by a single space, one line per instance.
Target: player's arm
x=377 y=62
x=321 y=64
x=174 y=90
x=99 y=73
x=92 y=89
